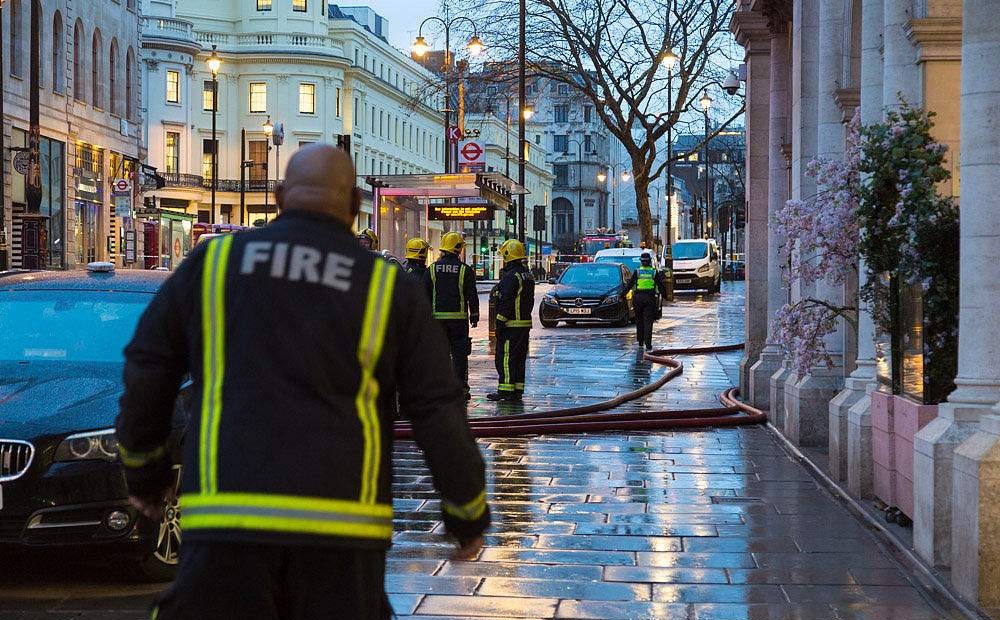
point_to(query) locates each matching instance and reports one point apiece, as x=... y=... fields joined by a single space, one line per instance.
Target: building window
x=173 y=87
x=538 y=138
x=172 y=154
x=207 y=151
x=307 y=98
x=258 y=155
x=78 y=85
x=263 y=5
x=339 y=109
x=300 y=6
x=563 y=89
x=58 y=68
x=15 y=35
x=95 y=69
x=129 y=92
x=560 y=144
x=587 y=111
x=258 y=97
x=588 y=144
x=207 y=95
x=562 y=174
x=561 y=113
x=113 y=78
x=303 y=143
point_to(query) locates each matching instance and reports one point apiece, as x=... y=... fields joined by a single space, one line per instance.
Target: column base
x=854 y=390
x=776 y=400
x=860 y=460
x=750 y=357
x=933 y=453
x=807 y=406
x=975 y=541
x=759 y=383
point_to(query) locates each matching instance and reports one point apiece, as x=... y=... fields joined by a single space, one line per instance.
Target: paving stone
x=711 y=593
x=882 y=595
x=763 y=612
x=610 y=543
x=621 y=611
x=647 y=574
x=565 y=589
x=695 y=560
x=526 y=571
x=488 y=606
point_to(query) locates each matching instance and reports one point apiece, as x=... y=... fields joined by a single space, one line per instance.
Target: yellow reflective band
x=469 y=511
x=506 y=362
x=450 y=315
x=135 y=459
x=213 y=358
x=434 y=287
x=461 y=289
x=501 y=318
x=156 y=612
x=525 y=323
x=370 y=343
x=517 y=300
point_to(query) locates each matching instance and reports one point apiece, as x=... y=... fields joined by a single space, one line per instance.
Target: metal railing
x=177 y=180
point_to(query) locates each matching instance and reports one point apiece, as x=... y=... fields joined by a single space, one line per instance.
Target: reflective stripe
x=646 y=279
x=213 y=324
x=139 y=459
x=501 y=318
x=461 y=290
x=469 y=511
x=506 y=387
x=370 y=343
x=517 y=300
x=286 y=513
x=434 y=288
x=526 y=323
x=506 y=364
x=450 y=315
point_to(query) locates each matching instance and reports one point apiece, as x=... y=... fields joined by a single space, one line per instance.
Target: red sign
x=471 y=152
x=454 y=134
x=121 y=185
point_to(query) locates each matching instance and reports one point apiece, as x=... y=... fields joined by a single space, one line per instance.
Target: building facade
x=313 y=72
x=90 y=126
x=810 y=65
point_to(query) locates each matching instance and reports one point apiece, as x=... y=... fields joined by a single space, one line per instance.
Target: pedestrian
x=297 y=342
x=514 y=297
x=644 y=282
x=451 y=285
x=416 y=258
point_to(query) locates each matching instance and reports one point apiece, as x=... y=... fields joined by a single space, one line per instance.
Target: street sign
x=129 y=247
x=471 y=153
x=121 y=186
x=123 y=205
x=452 y=211
x=454 y=134
x=21 y=161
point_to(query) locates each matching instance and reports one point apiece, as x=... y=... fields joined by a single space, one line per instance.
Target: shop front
x=88 y=208
x=167 y=237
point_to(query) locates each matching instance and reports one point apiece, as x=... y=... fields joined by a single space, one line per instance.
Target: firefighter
x=451 y=285
x=514 y=296
x=644 y=282
x=416 y=258
x=297 y=341
x=368 y=240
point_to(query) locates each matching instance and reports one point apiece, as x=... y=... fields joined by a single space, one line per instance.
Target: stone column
x=777 y=193
x=862 y=381
x=811 y=395
x=751 y=32
x=901 y=75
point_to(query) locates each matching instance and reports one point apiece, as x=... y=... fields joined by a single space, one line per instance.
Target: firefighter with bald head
x=451 y=285
x=514 y=297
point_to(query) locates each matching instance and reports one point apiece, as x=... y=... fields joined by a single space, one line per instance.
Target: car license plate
x=577 y=310
x=683 y=281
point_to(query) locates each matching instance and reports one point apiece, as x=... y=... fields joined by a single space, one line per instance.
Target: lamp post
x=625 y=176
x=668 y=60
x=706 y=103
x=4 y=262
x=579 y=179
x=420 y=49
x=522 y=104
x=214 y=64
x=268 y=130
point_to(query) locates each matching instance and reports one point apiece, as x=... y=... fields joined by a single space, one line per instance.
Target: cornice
x=936 y=38
x=848 y=100
x=751 y=30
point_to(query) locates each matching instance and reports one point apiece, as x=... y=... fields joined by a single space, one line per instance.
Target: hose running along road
x=597 y=417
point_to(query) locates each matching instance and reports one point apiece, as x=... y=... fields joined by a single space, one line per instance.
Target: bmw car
x=62 y=485
x=588 y=292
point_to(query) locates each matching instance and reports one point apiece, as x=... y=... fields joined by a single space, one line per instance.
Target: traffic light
x=484 y=246
x=539 y=218
x=510 y=219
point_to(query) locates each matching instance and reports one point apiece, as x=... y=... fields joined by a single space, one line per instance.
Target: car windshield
x=592 y=275
x=68 y=326
x=690 y=250
x=632 y=262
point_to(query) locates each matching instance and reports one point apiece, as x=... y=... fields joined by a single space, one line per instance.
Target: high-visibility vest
x=646 y=279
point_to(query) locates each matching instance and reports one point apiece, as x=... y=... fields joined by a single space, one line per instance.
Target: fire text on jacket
x=297 y=263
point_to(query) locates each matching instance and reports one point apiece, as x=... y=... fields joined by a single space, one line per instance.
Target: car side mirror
x=551 y=280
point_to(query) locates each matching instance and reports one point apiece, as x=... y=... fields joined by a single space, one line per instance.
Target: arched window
x=78 y=66
x=113 y=77
x=16 y=38
x=95 y=69
x=58 y=68
x=129 y=94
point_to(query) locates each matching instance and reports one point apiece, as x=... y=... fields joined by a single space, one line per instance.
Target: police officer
x=416 y=258
x=297 y=341
x=514 y=297
x=644 y=281
x=451 y=285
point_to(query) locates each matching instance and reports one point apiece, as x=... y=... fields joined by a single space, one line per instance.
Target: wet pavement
x=701 y=525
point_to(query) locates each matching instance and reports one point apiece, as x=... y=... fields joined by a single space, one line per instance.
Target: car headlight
x=704 y=269
x=612 y=299
x=549 y=299
x=94 y=445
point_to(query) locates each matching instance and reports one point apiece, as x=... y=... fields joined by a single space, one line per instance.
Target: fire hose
x=598 y=417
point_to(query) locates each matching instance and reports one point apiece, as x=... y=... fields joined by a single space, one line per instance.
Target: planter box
x=883 y=452
x=908 y=417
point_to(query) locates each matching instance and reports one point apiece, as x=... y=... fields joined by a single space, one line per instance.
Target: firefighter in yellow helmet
x=416 y=258
x=451 y=285
x=514 y=297
x=368 y=239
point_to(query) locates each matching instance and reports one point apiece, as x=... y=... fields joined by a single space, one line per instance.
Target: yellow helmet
x=452 y=242
x=417 y=248
x=512 y=249
x=368 y=238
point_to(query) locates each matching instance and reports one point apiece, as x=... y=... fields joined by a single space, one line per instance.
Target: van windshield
x=689 y=250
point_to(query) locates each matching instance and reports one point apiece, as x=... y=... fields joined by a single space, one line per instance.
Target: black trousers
x=267 y=582
x=512 y=357
x=461 y=348
x=645 y=314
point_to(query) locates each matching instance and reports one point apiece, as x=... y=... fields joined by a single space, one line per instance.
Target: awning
x=495 y=188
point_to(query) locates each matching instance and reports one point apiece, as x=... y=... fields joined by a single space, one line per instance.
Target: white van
x=696 y=265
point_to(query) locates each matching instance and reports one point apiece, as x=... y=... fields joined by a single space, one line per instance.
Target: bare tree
x=610 y=51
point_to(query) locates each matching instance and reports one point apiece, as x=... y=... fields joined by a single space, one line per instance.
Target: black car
x=62 y=336
x=589 y=292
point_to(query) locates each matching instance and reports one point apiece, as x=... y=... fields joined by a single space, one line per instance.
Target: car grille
x=579 y=303
x=15 y=458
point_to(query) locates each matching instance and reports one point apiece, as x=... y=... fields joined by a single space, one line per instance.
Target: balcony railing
x=175 y=180
x=168 y=27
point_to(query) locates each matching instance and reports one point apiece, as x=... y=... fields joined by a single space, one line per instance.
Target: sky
x=404 y=17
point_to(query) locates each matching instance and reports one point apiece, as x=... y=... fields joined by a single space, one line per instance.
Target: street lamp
x=528 y=112
x=668 y=60
x=214 y=64
x=602 y=176
x=268 y=130
x=420 y=49
x=706 y=103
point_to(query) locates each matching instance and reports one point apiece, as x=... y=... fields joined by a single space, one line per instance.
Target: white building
x=89 y=128
x=316 y=70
